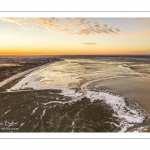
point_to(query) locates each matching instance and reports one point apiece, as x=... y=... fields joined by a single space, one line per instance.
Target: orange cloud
x=74 y=26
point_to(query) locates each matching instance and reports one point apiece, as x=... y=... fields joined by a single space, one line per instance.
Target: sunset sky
x=52 y=36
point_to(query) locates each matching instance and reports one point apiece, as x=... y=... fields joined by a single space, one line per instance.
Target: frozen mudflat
x=126 y=111
x=66 y=88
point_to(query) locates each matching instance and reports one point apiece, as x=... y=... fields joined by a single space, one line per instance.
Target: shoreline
x=20 y=74
x=145 y=123
x=137 y=90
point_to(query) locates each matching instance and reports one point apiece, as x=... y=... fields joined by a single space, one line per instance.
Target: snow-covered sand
x=19 y=75
x=128 y=115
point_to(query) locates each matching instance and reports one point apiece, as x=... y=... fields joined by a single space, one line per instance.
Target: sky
x=74 y=36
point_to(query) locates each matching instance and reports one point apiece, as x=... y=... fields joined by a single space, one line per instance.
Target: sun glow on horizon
x=74 y=36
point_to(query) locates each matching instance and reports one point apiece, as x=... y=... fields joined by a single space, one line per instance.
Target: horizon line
x=72 y=54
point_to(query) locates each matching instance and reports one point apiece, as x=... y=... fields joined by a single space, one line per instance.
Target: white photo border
x=74 y=14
